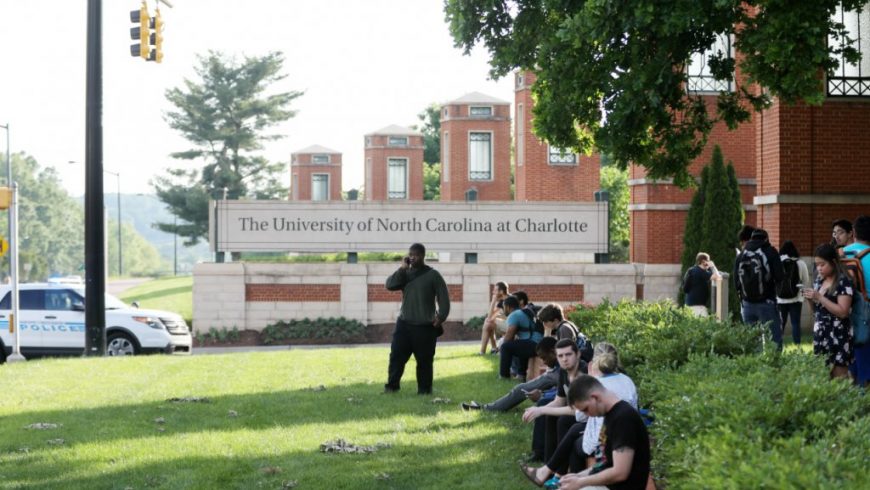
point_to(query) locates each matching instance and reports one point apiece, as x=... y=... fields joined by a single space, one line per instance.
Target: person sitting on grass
x=579 y=444
x=559 y=417
x=495 y=319
x=519 y=340
x=532 y=390
x=625 y=460
x=555 y=324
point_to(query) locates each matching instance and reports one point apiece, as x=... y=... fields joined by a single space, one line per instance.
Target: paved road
x=118 y=286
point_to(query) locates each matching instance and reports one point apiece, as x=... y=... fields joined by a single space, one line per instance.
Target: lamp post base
x=15 y=357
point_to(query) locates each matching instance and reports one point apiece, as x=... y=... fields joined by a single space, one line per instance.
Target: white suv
x=52 y=322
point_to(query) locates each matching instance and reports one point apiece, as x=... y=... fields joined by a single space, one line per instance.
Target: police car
x=51 y=319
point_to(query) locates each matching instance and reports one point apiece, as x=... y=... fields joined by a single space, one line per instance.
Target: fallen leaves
x=342 y=446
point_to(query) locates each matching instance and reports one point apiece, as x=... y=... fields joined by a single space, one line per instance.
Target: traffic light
x=140 y=33
x=5 y=197
x=156 y=38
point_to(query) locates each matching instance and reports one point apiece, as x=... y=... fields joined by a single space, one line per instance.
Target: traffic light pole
x=95 y=233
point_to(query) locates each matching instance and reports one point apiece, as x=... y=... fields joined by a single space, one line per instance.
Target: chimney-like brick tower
x=394 y=164
x=315 y=174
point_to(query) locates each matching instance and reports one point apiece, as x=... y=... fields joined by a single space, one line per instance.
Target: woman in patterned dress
x=831 y=299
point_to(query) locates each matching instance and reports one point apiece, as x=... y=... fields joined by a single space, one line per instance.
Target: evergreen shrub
x=337 y=328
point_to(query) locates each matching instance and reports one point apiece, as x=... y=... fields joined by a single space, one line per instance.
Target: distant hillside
x=142 y=211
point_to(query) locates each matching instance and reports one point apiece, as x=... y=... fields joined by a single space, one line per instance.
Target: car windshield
x=112 y=303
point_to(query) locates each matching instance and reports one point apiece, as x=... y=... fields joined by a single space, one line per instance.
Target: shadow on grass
x=480 y=462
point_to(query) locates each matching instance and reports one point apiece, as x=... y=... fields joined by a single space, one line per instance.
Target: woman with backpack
x=788 y=292
x=831 y=299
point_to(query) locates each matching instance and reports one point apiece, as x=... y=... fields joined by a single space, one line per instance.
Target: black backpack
x=537 y=324
x=584 y=346
x=791 y=279
x=753 y=275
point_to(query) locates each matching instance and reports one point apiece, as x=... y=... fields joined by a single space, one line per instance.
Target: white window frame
x=390 y=140
x=560 y=155
x=368 y=141
x=520 y=80
x=327 y=186
x=491 y=156
x=404 y=162
x=851 y=80
x=323 y=157
x=471 y=109
x=699 y=79
x=521 y=135
x=445 y=156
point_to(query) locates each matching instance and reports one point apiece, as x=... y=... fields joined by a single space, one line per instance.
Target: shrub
x=762 y=401
x=650 y=336
x=475 y=323
x=338 y=328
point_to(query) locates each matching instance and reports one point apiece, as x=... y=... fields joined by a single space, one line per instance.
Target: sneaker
x=390 y=389
x=472 y=405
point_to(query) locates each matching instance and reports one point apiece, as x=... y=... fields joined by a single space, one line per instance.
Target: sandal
x=531 y=474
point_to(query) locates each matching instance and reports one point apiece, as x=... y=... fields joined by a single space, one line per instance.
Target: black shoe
x=472 y=405
x=424 y=392
x=390 y=389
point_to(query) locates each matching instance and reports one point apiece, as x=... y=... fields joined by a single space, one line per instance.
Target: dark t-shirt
x=563 y=379
x=623 y=428
x=696 y=285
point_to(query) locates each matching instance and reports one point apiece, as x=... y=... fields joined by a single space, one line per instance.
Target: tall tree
x=432 y=182
x=224 y=115
x=611 y=74
x=615 y=181
x=431 y=129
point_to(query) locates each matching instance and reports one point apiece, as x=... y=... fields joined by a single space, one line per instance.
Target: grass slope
x=168 y=293
x=108 y=409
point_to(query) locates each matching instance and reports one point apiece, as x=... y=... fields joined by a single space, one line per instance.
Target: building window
x=319 y=158
x=319 y=187
x=560 y=156
x=520 y=80
x=852 y=79
x=397 y=178
x=480 y=111
x=445 y=156
x=397 y=141
x=368 y=141
x=521 y=135
x=700 y=78
x=479 y=156
x=445 y=112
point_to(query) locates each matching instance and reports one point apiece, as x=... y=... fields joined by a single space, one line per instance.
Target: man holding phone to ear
x=419 y=323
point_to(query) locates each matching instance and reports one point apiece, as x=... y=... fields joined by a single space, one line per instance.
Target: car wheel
x=120 y=344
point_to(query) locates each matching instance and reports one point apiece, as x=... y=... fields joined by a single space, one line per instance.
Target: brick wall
x=292 y=292
x=378 y=152
x=536 y=178
x=459 y=125
x=551 y=293
x=377 y=293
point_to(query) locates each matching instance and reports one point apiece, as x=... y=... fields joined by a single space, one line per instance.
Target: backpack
x=860 y=315
x=537 y=324
x=584 y=346
x=791 y=279
x=753 y=274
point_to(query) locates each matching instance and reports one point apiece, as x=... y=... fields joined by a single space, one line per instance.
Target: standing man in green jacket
x=419 y=323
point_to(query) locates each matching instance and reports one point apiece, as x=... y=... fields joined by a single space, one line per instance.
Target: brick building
x=799 y=167
x=315 y=174
x=545 y=172
x=476 y=148
x=394 y=164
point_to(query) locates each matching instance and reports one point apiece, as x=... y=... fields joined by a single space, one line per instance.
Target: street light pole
x=120 y=249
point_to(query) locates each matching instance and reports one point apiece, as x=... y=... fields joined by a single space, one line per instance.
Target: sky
x=363 y=65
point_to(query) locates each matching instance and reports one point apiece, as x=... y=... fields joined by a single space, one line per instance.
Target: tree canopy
x=225 y=115
x=611 y=74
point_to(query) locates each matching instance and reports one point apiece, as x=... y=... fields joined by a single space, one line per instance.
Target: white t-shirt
x=624 y=388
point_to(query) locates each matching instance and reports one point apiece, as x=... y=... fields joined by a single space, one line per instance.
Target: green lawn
x=108 y=410
x=170 y=293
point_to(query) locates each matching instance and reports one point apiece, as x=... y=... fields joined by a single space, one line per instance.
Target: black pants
x=516 y=349
x=569 y=456
x=417 y=339
x=555 y=430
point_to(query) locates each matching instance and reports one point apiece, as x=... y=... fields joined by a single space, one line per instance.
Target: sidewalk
x=205 y=351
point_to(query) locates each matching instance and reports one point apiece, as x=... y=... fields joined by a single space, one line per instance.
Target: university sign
x=247 y=226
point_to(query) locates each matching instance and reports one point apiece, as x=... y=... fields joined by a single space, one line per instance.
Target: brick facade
x=385 y=144
x=542 y=294
x=311 y=161
x=457 y=125
x=537 y=179
x=292 y=292
x=377 y=293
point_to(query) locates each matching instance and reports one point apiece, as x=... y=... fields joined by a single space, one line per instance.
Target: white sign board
x=351 y=226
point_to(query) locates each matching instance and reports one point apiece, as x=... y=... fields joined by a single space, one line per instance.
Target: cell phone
x=407 y=260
